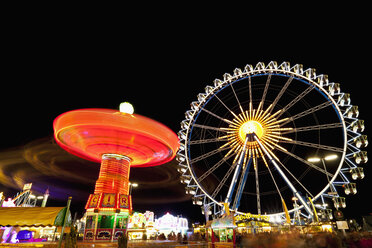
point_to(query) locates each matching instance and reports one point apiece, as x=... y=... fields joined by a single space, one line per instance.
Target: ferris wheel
x=271 y=140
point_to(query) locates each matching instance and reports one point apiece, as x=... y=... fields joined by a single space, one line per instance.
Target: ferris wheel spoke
x=236 y=97
x=203 y=141
x=295 y=100
x=285 y=178
x=222 y=182
x=213 y=168
x=217 y=116
x=237 y=170
x=307 y=163
x=226 y=107
x=308 y=111
x=295 y=178
x=313 y=145
x=265 y=92
x=208 y=154
x=313 y=128
x=210 y=128
x=242 y=181
x=281 y=92
x=257 y=186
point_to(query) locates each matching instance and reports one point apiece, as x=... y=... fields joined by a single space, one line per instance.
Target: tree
x=71 y=238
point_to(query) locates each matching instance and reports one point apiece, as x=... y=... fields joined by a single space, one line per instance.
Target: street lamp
x=327 y=158
x=131 y=186
x=338 y=201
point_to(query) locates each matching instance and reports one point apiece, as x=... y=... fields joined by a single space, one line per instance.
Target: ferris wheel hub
x=250 y=127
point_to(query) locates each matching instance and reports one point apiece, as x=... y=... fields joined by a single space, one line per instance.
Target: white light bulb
x=126 y=107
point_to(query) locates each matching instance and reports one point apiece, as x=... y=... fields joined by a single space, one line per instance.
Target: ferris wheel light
x=194 y=106
x=260 y=66
x=310 y=73
x=201 y=97
x=186 y=179
x=217 y=83
x=181 y=135
x=285 y=66
x=331 y=157
x=184 y=124
x=238 y=72
x=322 y=80
x=180 y=157
x=126 y=107
x=208 y=89
x=361 y=141
x=273 y=65
x=189 y=114
x=227 y=77
x=248 y=68
x=313 y=160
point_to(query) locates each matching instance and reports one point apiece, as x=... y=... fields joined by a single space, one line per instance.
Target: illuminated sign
x=27 y=186
x=139 y=220
x=249 y=216
x=123 y=201
x=108 y=200
x=169 y=221
x=93 y=201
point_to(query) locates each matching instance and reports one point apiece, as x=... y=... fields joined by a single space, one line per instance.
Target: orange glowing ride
x=118 y=141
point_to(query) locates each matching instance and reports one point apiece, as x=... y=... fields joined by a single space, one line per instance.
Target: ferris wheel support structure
x=295 y=192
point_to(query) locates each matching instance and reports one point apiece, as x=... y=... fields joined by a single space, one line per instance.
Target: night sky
x=51 y=69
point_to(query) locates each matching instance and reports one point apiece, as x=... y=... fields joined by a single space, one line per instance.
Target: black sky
x=50 y=68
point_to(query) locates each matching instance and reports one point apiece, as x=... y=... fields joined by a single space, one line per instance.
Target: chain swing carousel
x=118 y=140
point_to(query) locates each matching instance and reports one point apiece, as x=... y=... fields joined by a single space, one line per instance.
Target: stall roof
x=224 y=222
x=32 y=216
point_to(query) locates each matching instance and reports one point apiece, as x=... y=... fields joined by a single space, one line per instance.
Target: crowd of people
x=298 y=240
x=293 y=239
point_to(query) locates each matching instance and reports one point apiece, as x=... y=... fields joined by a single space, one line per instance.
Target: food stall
x=251 y=223
x=141 y=225
x=221 y=232
x=168 y=224
x=33 y=224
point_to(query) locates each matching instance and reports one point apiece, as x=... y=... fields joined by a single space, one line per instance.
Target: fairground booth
x=251 y=223
x=141 y=226
x=32 y=224
x=107 y=216
x=221 y=232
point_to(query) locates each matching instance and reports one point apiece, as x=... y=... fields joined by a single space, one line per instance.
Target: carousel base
x=105 y=225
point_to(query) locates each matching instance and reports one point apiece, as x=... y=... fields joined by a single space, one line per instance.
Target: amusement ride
x=118 y=140
x=269 y=137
